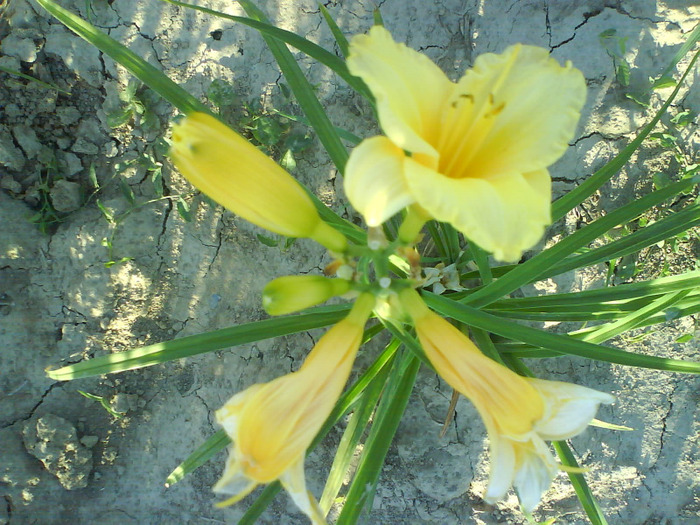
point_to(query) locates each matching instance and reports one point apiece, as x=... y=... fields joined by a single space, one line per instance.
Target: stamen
x=470 y=142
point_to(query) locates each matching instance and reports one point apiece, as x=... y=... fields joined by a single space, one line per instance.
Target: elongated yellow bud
x=520 y=413
x=292 y=293
x=233 y=172
x=271 y=425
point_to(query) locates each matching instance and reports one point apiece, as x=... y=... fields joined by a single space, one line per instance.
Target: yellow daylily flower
x=272 y=424
x=237 y=175
x=478 y=149
x=292 y=293
x=519 y=413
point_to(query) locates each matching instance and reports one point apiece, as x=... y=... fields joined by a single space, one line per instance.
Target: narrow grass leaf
x=483 y=340
x=532 y=269
x=260 y=504
x=666 y=228
x=609 y=426
x=575 y=197
x=651 y=288
x=578 y=481
x=560 y=344
x=408 y=340
x=303 y=91
x=603 y=311
x=436 y=236
x=386 y=421
x=522 y=350
x=322 y=55
x=340 y=39
x=38 y=82
x=609 y=330
x=689 y=305
x=481 y=259
x=212 y=446
x=692 y=39
x=352 y=435
x=198 y=344
x=136 y=65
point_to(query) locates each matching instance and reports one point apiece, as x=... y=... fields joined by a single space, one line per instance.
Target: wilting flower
x=272 y=424
x=292 y=293
x=233 y=172
x=478 y=149
x=519 y=413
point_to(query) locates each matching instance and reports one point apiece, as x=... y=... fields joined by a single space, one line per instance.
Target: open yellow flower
x=478 y=149
x=519 y=413
x=237 y=175
x=271 y=425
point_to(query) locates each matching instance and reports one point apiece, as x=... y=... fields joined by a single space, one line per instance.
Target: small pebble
x=89 y=441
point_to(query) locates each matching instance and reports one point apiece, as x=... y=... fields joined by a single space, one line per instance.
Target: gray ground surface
x=64 y=459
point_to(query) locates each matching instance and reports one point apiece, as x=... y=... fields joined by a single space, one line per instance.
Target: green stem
x=412 y=224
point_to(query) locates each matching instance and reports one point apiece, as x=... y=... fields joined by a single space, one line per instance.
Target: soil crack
x=33 y=409
x=664 y=421
x=8 y=508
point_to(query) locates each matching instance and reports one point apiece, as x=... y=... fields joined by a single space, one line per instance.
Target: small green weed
x=615 y=46
x=105 y=404
x=138 y=104
x=266 y=127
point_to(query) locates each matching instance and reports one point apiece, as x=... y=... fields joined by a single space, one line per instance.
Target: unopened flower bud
x=292 y=293
x=237 y=175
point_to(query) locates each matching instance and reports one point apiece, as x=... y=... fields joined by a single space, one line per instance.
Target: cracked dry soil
x=60 y=304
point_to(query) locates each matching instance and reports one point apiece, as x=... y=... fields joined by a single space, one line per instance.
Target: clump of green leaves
x=670 y=139
x=137 y=105
x=616 y=48
x=281 y=242
x=46 y=217
x=151 y=160
x=272 y=130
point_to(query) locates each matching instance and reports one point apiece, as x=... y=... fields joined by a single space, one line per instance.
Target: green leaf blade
x=534 y=268
x=197 y=344
x=553 y=342
x=137 y=66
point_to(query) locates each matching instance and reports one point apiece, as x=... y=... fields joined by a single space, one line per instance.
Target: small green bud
x=292 y=293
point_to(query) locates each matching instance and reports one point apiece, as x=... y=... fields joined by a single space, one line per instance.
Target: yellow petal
x=569 y=408
x=504 y=215
x=536 y=469
x=233 y=172
x=229 y=415
x=277 y=422
x=409 y=89
x=500 y=395
x=374 y=181
x=513 y=112
x=235 y=483
x=502 y=467
x=293 y=481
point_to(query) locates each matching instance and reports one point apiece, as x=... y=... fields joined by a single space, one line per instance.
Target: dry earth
x=64 y=459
